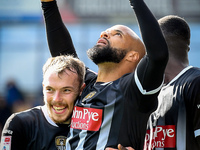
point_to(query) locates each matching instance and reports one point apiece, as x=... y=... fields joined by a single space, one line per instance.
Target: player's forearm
x=59 y=39
x=150 y=31
x=151 y=70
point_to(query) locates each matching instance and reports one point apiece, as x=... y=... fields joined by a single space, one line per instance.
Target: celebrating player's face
x=113 y=45
x=60 y=92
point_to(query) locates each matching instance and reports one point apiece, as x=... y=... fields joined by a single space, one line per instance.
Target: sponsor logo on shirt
x=6 y=143
x=86 y=118
x=162 y=137
x=60 y=142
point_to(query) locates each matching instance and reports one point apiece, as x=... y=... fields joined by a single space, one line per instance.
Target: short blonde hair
x=59 y=63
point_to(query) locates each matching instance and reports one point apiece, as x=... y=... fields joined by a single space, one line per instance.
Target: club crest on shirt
x=90 y=95
x=60 y=142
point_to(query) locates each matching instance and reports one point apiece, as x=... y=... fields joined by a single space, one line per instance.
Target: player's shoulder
x=194 y=70
x=27 y=115
x=189 y=74
x=192 y=80
x=193 y=74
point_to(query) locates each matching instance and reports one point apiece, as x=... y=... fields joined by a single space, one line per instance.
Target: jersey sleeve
x=150 y=70
x=13 y=136
x=58 y=36
x=193 y=95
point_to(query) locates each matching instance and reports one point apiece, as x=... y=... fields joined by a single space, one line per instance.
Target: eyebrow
x=48 y=86
x=119 y=31
x=61 y=88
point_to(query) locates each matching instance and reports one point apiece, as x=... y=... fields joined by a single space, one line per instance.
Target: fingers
x=129 y=148
x=108 y=148
x=120 y=147
x=47 y=0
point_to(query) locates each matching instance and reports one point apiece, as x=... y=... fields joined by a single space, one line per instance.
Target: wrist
x=47 y=0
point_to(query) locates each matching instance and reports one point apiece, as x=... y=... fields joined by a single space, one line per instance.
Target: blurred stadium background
x=23 y=44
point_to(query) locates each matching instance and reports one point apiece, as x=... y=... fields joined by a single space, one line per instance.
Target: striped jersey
x=33 y=130
x=111 y=113
x=177 y=116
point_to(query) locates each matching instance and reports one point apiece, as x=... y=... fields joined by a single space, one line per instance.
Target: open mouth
x=59 y=109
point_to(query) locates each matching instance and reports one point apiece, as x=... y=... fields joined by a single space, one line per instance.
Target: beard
x=99 y=54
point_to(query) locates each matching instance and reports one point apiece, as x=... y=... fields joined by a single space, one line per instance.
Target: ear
x=133 y=56
x=42 y=86
x=82 y=87
x=188 y=48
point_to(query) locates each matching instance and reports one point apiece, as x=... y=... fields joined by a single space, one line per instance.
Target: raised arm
x=150 y=70
x=59 y=39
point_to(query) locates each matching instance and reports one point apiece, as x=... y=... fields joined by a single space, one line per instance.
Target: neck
x=173 y=69
x=108 y=72
x=111 y=71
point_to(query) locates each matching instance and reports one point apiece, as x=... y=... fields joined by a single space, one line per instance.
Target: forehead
x=119 y=28
x=64 y=77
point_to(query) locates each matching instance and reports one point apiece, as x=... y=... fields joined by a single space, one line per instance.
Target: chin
x=59 y=121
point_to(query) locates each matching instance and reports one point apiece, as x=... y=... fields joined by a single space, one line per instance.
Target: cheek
x=117 y=44
x=70 y=109
x=71 y=104
x=47 y=98
x=71 y=100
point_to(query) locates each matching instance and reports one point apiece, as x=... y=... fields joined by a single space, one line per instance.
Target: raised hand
x=120 y=147
x=132 y=2
x=47 y=0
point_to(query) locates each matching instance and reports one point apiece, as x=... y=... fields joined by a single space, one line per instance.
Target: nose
x=57 y=96
x=105 y=34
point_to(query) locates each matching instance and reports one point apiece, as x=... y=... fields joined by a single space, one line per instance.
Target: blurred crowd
x=15 y=100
